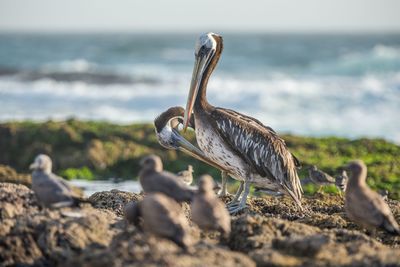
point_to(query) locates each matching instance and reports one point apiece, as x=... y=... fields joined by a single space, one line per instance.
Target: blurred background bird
x=186 y=175
x=154 y=179
x=319 y=177
x=341 y=181
x=208 y=211
x=364 y=206
x=50 y=189
x=162 y=216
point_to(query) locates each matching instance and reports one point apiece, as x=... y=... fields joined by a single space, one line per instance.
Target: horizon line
x=193 y=31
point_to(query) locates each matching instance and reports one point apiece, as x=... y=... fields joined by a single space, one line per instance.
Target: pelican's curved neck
x=201 y=99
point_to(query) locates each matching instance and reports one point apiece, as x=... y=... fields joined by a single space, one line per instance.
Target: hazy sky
x=203 y=15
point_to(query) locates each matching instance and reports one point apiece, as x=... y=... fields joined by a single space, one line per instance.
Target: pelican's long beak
x=186 y=147
x=200 y=66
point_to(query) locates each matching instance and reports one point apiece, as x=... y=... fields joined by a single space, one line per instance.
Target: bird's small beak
x=33 y=166
x=200 y=66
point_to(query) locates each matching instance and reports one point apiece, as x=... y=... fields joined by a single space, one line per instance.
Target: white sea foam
x=76 y=65
x=309 y=105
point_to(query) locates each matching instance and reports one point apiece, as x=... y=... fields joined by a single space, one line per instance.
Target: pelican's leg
x=224 y=177
x=242 y=204
x=237 y=195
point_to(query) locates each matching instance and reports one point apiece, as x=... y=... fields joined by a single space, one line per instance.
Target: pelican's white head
x=205 y=43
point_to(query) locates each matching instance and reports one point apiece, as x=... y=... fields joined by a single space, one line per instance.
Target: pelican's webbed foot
x=236 y=207
x=235 y=199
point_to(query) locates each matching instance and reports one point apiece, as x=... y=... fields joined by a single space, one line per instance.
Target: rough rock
x=272 y=232
x=30 y=235
x=114 y=200
x=134 y=248
x=277 y=242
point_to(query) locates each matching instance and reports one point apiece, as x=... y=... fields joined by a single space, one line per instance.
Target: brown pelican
x=50 y=189
x=252 y=152
x=154 y=179
x=208 y=211
x=364 y=206
x=319 y=177
x=166 y=126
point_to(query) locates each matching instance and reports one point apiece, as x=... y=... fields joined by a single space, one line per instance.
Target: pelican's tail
x=296 y=199
x=293 y=187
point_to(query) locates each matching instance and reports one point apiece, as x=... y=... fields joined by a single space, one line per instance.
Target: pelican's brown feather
x=260 y=147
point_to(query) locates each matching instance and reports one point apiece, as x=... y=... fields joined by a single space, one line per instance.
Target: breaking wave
x=317 y=86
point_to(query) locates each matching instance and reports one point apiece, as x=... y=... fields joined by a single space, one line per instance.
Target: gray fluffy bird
x=364 y=206
x=162 y=216
x=50 y=189
x=320 y=178
x=208 y=212
x=186 y=175
x=154 y=180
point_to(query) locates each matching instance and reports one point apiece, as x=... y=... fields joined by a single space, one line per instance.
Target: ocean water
x=317 y=85
x=91 y=187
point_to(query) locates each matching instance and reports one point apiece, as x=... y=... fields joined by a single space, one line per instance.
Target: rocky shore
x=270 y=233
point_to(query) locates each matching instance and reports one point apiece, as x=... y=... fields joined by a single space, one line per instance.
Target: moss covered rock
x=102 y=150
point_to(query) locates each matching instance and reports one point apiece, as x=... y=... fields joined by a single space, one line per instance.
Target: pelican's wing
x=260 y=147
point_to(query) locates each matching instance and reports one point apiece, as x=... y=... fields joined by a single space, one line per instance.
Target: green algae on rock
x=101 y=150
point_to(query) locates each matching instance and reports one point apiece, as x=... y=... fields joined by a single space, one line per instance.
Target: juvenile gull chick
x=162 y=216
x=364 y=206
x=50 y=189
x=187 y=175
x=153 y=179
x=208 y=212
x=320 y=178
